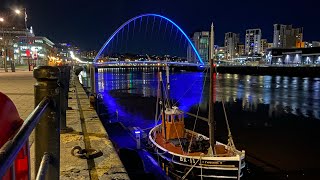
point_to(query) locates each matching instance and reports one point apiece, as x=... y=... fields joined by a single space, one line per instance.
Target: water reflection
x=291 y=95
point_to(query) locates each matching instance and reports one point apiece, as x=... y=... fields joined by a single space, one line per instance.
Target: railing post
x=68 y=84
x=64 y=91
x=93 y=79
x=47 y=132
x=92 y=85
x=63 y=107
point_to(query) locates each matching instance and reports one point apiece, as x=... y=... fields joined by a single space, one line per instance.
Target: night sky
x=89 y=23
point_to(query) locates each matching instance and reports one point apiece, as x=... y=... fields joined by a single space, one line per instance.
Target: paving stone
x=19 y=86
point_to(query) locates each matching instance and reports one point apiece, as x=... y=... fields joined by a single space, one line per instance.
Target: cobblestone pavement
x=19 y=87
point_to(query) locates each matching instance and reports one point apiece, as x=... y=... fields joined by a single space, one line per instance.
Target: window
x=176 y=118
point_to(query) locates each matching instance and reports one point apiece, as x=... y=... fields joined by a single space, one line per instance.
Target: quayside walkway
x=87 y=130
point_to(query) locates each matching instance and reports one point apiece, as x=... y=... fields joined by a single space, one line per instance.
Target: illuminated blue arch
x=140 y=16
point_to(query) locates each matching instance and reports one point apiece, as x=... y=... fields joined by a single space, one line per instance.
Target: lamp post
x=4 y=46
x=19 y=12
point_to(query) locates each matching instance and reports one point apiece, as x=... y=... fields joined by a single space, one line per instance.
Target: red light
x=28 y=52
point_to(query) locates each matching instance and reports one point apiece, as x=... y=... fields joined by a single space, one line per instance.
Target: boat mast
x=168 y=85
x=163 y=108
x=211 y=109
x=158 y=99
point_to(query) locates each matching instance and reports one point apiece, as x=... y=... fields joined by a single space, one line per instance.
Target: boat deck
x=220 y=149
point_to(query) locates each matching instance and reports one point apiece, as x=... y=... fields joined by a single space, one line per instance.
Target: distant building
x=33 y=50
x=253 y=41
x=231 y=41
x=201 y=41
x=191 y=56
x=8 y=38
x=315 y=43
x=307 y=44
x=241 y=49
x=294 y=56
x=263 y=46
x=220 y=53
x=89 y=54
x=64 y=50
x=285 y=36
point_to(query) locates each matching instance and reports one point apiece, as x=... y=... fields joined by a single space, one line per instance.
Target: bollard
x=138 y=138
x=47 y=132
x=91 y=100
x=92 y=79
x=63 y=99
x=137 y=133
x=5 y=60
x=13 y=66
x=65 y=128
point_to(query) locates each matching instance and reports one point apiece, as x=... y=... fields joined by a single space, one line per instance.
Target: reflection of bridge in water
x=145 y=63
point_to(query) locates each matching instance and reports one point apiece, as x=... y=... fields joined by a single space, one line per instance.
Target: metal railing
x=46 y=119
x=10 y=150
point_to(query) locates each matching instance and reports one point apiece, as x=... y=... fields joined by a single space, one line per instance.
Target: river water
x=276 y=119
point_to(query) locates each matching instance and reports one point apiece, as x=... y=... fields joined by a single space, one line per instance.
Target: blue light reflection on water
x=145 y=83
x=298 y=96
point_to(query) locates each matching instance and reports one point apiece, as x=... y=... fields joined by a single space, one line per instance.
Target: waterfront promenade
x=88 y=131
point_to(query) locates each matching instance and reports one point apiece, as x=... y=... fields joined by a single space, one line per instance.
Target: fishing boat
x=186 y=154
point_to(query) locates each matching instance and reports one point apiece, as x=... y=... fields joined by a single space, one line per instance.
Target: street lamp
x=17 y=11
x=3 y=40
x=6 y=41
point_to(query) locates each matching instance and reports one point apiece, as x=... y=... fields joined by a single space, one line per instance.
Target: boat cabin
x=172 y=124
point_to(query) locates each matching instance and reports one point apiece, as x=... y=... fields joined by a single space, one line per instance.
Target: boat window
x=169 y=118
x=176 y=118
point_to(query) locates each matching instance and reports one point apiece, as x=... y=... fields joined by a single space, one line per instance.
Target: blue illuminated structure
x=146 y=15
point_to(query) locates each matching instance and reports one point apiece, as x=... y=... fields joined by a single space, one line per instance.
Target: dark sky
x=88 y=23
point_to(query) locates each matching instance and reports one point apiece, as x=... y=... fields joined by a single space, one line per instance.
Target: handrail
x=43 y=166
x=11 y=148
x=51 y=98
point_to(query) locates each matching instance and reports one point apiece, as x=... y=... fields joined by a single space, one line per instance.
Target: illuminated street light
x=77 y=59
x=1 y=19
x=17 y=11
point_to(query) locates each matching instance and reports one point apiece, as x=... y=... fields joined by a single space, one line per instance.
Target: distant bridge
x=141 y=63
x=144 y=63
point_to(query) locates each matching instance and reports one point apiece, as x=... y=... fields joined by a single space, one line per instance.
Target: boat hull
x=178 y=165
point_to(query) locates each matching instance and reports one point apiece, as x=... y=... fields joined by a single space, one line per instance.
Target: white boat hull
x=230 y=167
